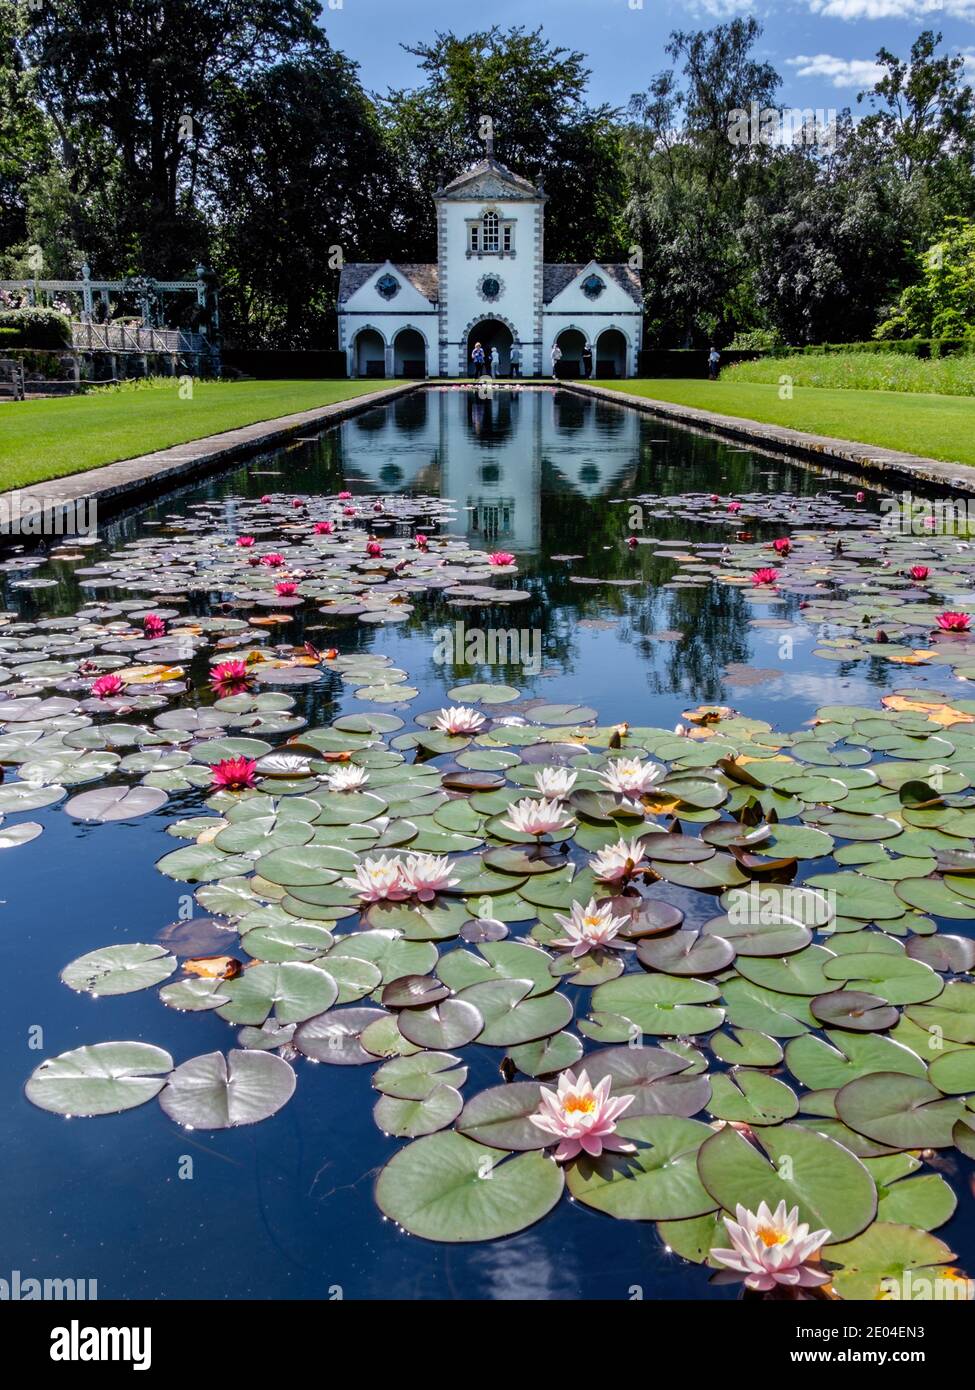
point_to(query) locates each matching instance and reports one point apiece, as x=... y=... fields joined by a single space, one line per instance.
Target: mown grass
x=53 y=438
x=863 y=371
x=941 y=427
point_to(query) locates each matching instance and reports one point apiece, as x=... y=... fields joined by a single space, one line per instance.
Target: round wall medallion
x=593 y=286
x=490 y=287
x=388 y=286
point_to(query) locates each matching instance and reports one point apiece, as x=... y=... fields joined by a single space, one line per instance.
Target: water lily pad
x=99 y=1079
x=500 y=1117
x=873 y=1265
x=545 y=1056
x=904 y=1112
x=661 y=1004
x=119 y=969
x=447 y=1187
x=408 y=1119
x=334 y=1036
x=293 y=991
x=830 y=1186
x=824 y=1065
x=686 y=953
x=218 y=1092
x=659 y=1181
x=451 y=1023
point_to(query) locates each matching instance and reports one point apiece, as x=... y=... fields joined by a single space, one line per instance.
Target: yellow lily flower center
x=768 y=1235
x=579 y=1105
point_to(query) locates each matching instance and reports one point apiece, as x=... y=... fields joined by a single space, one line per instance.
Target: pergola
x=149 y=292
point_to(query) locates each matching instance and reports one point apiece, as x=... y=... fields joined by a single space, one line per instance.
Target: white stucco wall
x=460 y=275
x=366 y=308
x=573 y=309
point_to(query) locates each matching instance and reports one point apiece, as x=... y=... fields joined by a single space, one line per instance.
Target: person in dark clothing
x=587 y=359
x=477 y=357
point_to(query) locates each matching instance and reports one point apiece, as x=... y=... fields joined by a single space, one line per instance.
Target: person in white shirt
x=556 y=358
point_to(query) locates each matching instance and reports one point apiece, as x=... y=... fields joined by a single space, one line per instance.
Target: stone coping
x=890 y=466
x=114 y=485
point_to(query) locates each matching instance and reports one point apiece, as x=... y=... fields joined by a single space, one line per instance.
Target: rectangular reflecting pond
x=637 y=602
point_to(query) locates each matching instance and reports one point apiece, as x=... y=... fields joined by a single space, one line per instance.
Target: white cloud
x=894 y=9
x=722 y=9
x=838 y=72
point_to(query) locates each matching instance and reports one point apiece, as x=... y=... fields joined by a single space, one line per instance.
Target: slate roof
x=423 y=277
x=558 y=276
x=523 y=187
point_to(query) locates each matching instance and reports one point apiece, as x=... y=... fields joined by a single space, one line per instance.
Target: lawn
x=52 y=438
x=941 y=427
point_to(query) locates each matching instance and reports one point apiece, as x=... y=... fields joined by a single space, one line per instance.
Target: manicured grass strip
x=52 y=438
x=941 y=427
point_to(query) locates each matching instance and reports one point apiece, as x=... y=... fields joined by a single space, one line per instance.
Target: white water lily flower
x=588 y=927
x=426 y=875
x=629 y=778
x=459 y=719
x=619 y=861
x=530 y=817
x=348 y=778
x=773 y=1248
x=555 y=783
x=376 y=880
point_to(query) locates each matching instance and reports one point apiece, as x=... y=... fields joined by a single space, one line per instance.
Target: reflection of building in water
x=487 y=454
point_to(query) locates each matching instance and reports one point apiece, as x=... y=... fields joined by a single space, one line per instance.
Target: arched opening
x=370 y=353
x=611 y=353
x=409 y=353
x=571 y=341
x=491 y=333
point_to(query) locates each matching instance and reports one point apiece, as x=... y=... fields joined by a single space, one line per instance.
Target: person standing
x=714 y=359
x=556 y=358
x=495 y=363
x=515 y=355
x=587 y=359
x=477 y=357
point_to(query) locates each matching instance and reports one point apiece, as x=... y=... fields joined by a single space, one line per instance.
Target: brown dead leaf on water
x=213 y=967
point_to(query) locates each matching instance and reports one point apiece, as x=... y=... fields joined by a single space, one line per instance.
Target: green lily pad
x=904 y=1112
x=119 y=969
x=659 y=1181
x=218 y=1092
x=99 y=1079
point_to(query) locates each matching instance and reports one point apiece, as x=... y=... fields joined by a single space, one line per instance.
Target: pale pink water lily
x=630 y=778
x=771 y=1248
x=555 y=783
x=501 y=558
x=582 y=1117
x=379 y=880
x=589 y=927
x=618 y=863
x=347 y=778
x=459 y=719
x=531 y=817
x=426 y=875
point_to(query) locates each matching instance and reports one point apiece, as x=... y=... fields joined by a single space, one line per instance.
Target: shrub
x=37 y=328
x=757 y=340
x=857 y=370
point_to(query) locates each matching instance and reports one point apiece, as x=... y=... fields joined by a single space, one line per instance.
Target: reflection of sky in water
x=285 y=1209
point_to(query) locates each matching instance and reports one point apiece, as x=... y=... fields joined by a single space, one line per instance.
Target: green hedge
x=691 y=362
x=37 y=328
x=906 y=347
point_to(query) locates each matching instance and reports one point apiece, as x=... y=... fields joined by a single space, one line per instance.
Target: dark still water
x=285 y=1208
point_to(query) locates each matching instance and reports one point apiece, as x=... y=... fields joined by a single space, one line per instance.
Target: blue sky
x=824 y=49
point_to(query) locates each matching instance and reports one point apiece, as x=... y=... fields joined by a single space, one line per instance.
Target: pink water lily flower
x=273 y=561
x=734 y=507
x=919 y=572
x=374 y=549
x=954 y=622
x=714 y=497
x=379 y=880
x=234 y=774
x=771 y=1248
x=459 y=719
x=426 y=875
x=344 y=495
x=500 y=558
x=286 y=588
x=589 y=927
x=245 y=542
x=618 y=863
x=531 y=817
x=582 y=1117
x=297 y=502
x=153 y=625
x=348 y=511
x=861 y=497
x=106 y=686
x=764 y=576
x=782 y=546
x=266 y=498
x=324 y=528
x=421 y=541
x=632 y=542
x=230 y=677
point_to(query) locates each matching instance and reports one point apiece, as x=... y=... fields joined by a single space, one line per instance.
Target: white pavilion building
x=490 y=284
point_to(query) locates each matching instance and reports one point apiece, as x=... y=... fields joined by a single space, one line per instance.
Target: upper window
x=491 y=227
x=388 y=286
x=491 y=234
x=593 y=286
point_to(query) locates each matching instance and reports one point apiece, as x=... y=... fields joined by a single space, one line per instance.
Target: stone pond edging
x=890 y=466
x=114 y=486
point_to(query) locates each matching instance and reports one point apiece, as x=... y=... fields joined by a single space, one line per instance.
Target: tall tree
x=544 y=127
x=301 y=180
x=144 y=72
